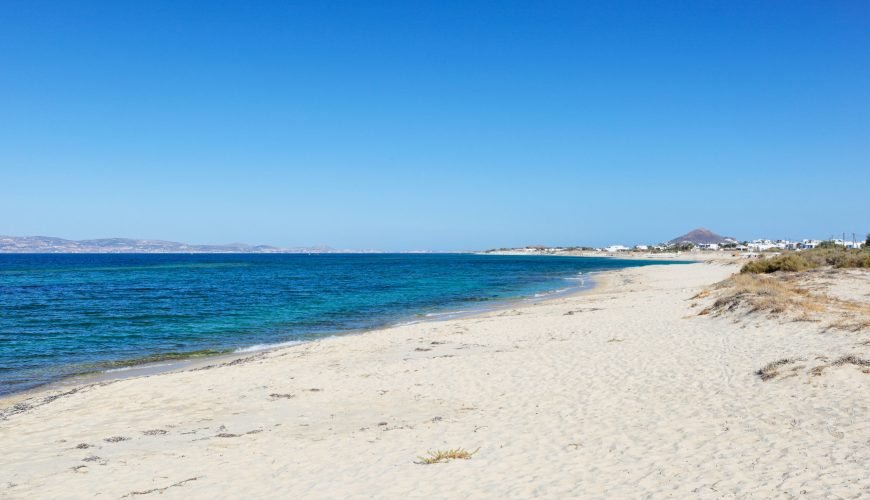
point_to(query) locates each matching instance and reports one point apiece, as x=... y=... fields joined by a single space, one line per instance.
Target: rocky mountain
x=46 y=244
x=701 y=235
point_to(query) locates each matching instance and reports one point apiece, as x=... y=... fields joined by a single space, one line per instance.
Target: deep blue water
x=68 y=314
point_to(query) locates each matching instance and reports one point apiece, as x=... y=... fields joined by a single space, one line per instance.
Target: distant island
x=47 y=244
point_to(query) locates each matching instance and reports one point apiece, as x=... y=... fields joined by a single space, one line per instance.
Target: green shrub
x=857 y=258
x=839 y=257
x=836 y=256
x=789 y=263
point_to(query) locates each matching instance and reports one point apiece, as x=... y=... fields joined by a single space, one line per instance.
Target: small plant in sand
x=851 y=359
x=441 y=456
x=771 y=370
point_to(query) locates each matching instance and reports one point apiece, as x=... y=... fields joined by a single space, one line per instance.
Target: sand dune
x=623 y=391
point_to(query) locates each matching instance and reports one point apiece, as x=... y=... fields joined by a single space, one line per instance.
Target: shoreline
x=624 y=390
x=148 y=369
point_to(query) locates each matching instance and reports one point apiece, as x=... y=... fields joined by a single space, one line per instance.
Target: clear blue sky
x=433 y=125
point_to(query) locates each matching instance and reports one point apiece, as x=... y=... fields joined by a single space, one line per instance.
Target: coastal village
x=700 y=240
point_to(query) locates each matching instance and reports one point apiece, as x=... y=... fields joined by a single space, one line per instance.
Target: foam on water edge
x=266 y=347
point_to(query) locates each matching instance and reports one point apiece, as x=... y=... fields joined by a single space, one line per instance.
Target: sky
x=434 y=125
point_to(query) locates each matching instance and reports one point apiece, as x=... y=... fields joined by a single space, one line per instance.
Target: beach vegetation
x=442 y=456
x=851 y=359
x=771 y=370
x=853 y=323
x=838 y=257
x=762 y=293
x=786 y=263
x=788 y=294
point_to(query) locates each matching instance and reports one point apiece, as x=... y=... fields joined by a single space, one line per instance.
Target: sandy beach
x=621 y=391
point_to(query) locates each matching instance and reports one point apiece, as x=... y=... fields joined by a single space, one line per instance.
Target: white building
x=807 y=244
x=760 y=245
x=616 y=248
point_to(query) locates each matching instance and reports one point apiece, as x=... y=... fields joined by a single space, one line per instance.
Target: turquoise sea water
x=69 y=314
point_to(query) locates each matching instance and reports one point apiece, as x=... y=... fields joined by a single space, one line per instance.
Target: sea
x=73 y=314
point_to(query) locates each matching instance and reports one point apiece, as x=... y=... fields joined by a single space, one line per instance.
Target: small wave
x=136 y=367
x=448 y=313
x=552 y=292
x=263 y=347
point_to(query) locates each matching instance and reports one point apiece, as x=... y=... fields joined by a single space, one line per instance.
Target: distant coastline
x=53 y=245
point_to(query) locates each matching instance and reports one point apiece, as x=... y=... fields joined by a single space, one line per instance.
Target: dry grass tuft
x=442 y=456
x=851 y=359
x=771 y=370
x=763 y=293
x=852 y=324
x=788 y=294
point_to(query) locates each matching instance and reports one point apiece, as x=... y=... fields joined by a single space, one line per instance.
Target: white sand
x=631 y=395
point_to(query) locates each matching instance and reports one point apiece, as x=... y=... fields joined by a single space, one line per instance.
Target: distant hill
x=46 y=244
x=701 y=235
